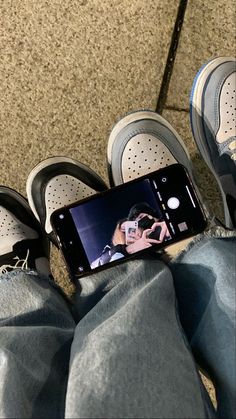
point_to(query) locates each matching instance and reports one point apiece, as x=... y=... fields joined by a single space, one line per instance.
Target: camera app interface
x=119 y=224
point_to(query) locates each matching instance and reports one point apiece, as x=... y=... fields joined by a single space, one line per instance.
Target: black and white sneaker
x=23 y=244
x=213 y=116
x=57 y=182
x=142 y=142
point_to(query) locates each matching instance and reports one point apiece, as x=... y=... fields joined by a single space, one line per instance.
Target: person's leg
x=129 y=356
x=213 y=123
x=205 y=277
x=36 y=325
x=205 y=274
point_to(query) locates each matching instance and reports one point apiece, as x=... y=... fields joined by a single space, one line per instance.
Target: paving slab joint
x=176 y=108
x=171 y=56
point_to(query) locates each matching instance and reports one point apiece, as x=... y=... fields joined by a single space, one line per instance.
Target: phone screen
x=148 y=213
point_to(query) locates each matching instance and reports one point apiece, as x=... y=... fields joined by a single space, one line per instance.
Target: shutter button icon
x=173 y=203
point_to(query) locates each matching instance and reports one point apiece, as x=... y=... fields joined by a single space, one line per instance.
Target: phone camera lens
x=61 y=216
x=164 y=179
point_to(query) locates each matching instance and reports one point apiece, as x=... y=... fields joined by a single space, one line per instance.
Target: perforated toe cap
x=144 y=154
x=12 y=231
x=227 y=126
x=63 y=190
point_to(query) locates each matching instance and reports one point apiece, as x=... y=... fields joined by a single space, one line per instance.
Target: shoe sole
x=196 y=116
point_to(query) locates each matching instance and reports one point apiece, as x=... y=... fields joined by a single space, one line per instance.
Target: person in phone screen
x=150 y=231
x=116 y=250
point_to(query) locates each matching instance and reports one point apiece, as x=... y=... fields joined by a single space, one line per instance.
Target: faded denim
x=127 y=356
x=205 y=278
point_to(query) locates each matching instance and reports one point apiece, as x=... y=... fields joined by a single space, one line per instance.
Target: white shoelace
x=20 y=264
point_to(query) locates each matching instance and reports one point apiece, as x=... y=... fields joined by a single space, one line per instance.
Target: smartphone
x=131 y=229
x=156 y=234
x=145 y=214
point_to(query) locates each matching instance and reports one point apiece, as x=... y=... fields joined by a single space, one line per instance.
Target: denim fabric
x=36 y=331
x=129 y=357
x=126 y=357
x=205 y=279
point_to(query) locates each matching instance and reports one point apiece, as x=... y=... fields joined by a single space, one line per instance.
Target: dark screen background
x=96 y=220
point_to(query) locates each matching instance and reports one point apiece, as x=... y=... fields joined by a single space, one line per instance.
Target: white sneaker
x=140 y=143
x=213 y=122
x=57 y=182
x=23 y=244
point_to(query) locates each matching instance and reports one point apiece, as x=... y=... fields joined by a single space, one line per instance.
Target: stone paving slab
x=68 y=69
x=208 y=31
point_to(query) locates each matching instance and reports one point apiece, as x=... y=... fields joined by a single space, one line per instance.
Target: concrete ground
x=70 y=68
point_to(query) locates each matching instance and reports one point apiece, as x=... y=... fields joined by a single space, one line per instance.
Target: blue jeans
x=127 y=356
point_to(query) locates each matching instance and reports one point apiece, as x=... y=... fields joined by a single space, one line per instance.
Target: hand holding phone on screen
x=143 y=242
x=159 y=231
x=150 y=212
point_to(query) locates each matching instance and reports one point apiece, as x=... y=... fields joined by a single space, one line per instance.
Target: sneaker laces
x=20 y=264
